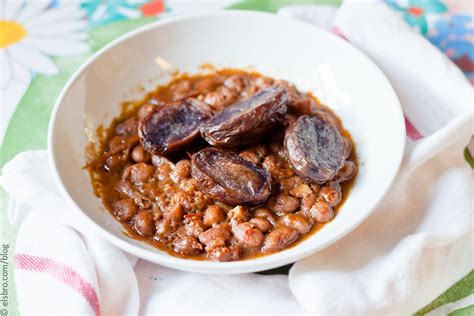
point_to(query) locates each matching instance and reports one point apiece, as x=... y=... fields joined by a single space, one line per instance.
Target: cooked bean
x=146 y=109
x=175 y=212
x=125 y=187
x=139 y=154
x=283 y=203
x=315 y=187
x=157 y=212
x=189 y=185
x=219 y=99
x=250 y=156
x=182 y=170
x=213 y=215
x=238 y=214
x=254 y=154
x=116 y=143
x=261 y=223
x=279 y=239
x=347 y=143
x=246 y=121
x=215 y=236
x=315 y=148
x=164 y=167
x=301 y=190
x=296 y=221
x=347 y=172
x=181 y=90
x=331 y=193
x=234 y=83
x=139 y=172
x=263 y=82
x=248 y=236
x=290 y=182
x=113 y=163
x=204 y=86
x=124 y=209
x=276 y=167
x=144 y=224
x=127 y=127
x=171 y=127
x=164 y=229
x=227 y=177
x=264 y=213
x=222 y=254
x=321 y=211
x=187 y=245
x=194 y=226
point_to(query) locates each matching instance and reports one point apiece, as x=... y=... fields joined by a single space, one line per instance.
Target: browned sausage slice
x=246 y=121
x=227 y=177
x=315 y=148
x=173 y=126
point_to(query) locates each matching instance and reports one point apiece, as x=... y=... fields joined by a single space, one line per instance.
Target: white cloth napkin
x=416 y=244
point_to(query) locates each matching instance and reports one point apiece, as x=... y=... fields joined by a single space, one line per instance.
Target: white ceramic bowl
x=312 y=58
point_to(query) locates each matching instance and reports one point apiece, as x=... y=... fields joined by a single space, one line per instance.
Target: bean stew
x=224 y=166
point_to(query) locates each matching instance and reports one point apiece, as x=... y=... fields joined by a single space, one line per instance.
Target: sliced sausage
x=315 y=148
x=279 y=238
x=227 y=177
x=246 y=121
x=169 y=128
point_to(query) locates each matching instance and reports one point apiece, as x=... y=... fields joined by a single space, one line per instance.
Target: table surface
x=34 y=74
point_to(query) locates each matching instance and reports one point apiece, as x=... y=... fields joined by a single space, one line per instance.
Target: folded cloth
x=416 y=244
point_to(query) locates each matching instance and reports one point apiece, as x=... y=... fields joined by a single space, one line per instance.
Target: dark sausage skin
x=227 y=177
x=171 y=127
x=315 y=148
x=246 y=121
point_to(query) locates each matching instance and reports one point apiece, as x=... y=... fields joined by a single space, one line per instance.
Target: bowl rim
x=234 y=267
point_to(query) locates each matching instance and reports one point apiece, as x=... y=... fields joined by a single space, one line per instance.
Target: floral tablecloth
x=42 y=42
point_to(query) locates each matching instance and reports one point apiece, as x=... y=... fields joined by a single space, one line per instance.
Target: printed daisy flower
x=31 y=32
